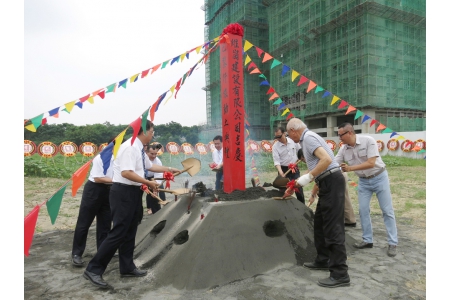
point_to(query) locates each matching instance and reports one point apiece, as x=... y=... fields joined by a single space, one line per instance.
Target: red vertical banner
x=233 y=112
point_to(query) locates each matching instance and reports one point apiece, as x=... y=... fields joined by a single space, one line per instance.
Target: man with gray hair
x=329 y=232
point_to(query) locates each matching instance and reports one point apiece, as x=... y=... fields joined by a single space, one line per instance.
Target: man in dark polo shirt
x=329 y=232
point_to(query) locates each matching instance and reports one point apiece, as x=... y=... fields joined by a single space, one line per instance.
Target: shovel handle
x=174 y=174
x=287 y=172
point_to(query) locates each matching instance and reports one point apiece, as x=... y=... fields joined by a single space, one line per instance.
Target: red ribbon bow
x=293 y=167
x=291 y=185
x=168 y=177
x=144 y=187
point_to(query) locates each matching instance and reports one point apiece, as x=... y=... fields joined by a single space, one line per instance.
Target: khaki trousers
x=349 y=215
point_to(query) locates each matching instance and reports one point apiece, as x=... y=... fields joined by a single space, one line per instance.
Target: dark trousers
x=291 y=176
x=127 y=210
x=94 y=204
x=329 y=232
x=219 y=175
x=152 y=202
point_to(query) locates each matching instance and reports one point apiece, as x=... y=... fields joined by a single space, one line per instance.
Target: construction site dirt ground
x=49 y=274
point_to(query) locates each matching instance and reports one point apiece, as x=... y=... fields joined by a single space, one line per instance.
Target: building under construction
x=370 y=53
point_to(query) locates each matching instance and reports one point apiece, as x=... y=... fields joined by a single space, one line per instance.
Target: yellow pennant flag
x=335 y=98
x=133 y=78
x=247 y=45
x=400 y=137
x=118 y=142
x=285 y=111
x=294 y=75
x=216 y=39
x=247 y=60
x=91 y=100
x=69 y=106
x=183 y=56
x=198 y=49
x=31 y=128
x=171 y=89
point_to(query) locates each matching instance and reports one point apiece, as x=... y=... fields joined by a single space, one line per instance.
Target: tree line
x=102 y=133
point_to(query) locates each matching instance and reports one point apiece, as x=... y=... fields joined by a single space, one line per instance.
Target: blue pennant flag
x=281 y=106
x=366 y=117
x=265 y=82
x=285 y=69
x=160 y=100
x=327 y=93
x=79 y=104
x=106 y=155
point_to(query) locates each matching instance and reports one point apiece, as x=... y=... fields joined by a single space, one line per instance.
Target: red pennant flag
x=101 y=94
x=251 y=65
x=96 y=92
x=30 y=225
x=350 y=109
x=302 y=80
x=79 y=176
x=85 y=98
x=342 y=104
x=44 y=121
x=145 y=73
x=270 y=91
x=259 y=51
x=373 y=122
x=136 y=125
x=289 y=116
x=177 y=87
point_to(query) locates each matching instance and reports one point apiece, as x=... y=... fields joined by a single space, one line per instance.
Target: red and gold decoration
x=173 y=148
x=187 y=149
x=331 y=144
x=29 y=148
x=266 y=146
x=88 y=149
x=407 y=145
x=168 y=177
x=419 y=145
x=102 y=146
x=393 y=144
x=293 y=167
x=68 y=149
x=201 y=148
x=47 y=149
x=211 y=146
x=340 y=144
x=253 y=146
x=380 y=145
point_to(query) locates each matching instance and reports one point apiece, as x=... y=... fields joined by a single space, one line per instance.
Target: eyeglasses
x=340 y=135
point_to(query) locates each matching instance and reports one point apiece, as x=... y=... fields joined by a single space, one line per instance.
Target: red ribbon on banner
x=168 y=177
x=293 y=167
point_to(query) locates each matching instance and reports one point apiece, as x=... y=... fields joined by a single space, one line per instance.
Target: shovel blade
x=280 y=182
x=191 y=165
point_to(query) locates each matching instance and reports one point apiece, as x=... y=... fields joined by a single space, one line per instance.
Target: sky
x=73 y=48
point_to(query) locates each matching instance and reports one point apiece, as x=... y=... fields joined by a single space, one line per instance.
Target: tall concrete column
x=331 y=123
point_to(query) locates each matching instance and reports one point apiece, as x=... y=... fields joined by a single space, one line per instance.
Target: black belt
x=127 y=185
x=376 y=174
x=326 y=173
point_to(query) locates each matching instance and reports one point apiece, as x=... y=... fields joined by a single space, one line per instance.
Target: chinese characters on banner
x=232 y=92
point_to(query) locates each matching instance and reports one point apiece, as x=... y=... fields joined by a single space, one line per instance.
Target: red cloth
x=168 y=177
x=293 y=167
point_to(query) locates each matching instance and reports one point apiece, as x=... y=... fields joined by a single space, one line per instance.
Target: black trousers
x=329 y=232
x=152 y=202
x=291 y=176
x=127 y=210
x=94 y=204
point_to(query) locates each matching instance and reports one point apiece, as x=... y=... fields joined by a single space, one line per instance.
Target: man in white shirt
x=126 y=208
x=284 y=153
x=217 y=157
x=94 y=204
x=152 y=203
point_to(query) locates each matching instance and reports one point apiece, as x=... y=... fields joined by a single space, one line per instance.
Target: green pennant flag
x=262 y=76
x=165 y=64
x=387 y=130
x=278 y=101
x=65 y=110
x=358 y=114
x=111 y=88
x=275 y=63
x=144 y=120
x=422 y=151
x=37 y=121
x=54 y=203
x=318 y=89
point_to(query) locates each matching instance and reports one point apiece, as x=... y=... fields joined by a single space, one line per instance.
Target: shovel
x=191 y=165
x=176 y=192
x=160 y=201
x=281 y=182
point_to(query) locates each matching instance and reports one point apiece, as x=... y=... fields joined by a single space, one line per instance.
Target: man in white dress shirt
x=126 y=207
x=153 y=205
x=217 y=157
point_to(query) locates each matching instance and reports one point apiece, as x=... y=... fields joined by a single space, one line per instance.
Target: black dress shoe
x=363 y=245
x=350 y=224
x=334 y=282
x=315 y=266
x=95 y=279
x=135 y=273
x=77 y=261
